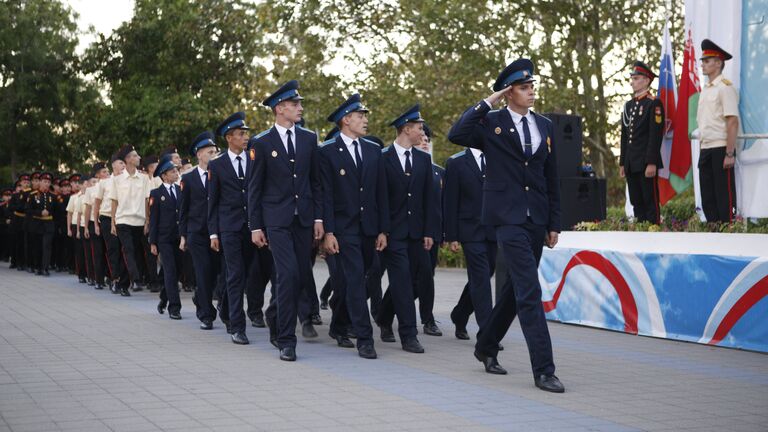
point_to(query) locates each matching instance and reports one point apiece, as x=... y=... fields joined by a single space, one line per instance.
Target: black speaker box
x=568 y=143
x=582 y=199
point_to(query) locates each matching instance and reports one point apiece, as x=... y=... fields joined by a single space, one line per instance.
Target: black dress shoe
x=431 y=328
x=413 y=346
x=91 y=282
x=228 y=327
x=387 y=335
x=206 y=325
x=367 y=352
x=137 y=286
x=316 y=319
x=174 y=315
x=308 y=330
x=125 y=293
x=46 y=272
x=161 y=307
x=39 y=273
x=492 y=365
x=99 y=286
x=288 y=354
x=461 y=333
x=341 y=340
x=240 y=338
x=258 y=322
x=501 y=347
x=82 y=280
x=549 y=383
x=154 y=288
x=324 y=304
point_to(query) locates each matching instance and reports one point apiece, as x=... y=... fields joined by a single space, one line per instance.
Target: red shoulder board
x=181 y=185
x=658 y=110
x=252 y=154
x=151 y=201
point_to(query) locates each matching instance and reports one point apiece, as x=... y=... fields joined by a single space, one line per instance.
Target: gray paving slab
x=76 y=359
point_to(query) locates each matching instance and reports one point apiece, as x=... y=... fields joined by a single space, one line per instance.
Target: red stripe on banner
x=607 y=269
x=749 y=299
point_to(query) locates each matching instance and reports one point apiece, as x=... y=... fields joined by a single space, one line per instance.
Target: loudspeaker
x=582 y=199
x=568 y=143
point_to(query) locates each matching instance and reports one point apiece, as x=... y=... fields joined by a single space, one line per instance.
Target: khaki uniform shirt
x=131 y=193
x=103 y=190
x=718 y=100
x=90 y=193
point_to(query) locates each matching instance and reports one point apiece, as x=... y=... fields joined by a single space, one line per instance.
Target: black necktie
x=408 y=168
x=205 y=180
x=173 y=193
x=358 y=159
x=291 y=150
x=240 y=172
x=482 y=164
x=527 y=137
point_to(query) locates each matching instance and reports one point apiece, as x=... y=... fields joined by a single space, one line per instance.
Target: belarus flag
x=668 y=98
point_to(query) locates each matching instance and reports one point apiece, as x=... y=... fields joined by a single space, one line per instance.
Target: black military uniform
x=16 y=209
x=642 y=129
x=40 y=208
x=5 y=221
x=61 y=243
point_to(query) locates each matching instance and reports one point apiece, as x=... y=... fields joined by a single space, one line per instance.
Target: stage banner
x=708 y=299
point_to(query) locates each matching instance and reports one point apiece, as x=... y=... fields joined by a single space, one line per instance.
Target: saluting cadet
x=96 y=248
x=40 y=207
x=164 y=233
x=642 y=130
x=102 y=207
x=521 y=199
x=193 y=228
x=354 y=226
x=424 y=285
x=718 y=120
x=285 y=210
x=228 y=217
x=409 y=197
x=130 y=199
x=464 y=178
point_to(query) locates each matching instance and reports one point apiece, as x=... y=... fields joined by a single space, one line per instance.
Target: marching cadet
x=354 y=225
x=193 y=228
x=17 y=207
x=40 y=207
x=642 y=130
x=102 y=207
x=330 y=260
x=285 y=209
x=718 y=120
x=408 y=202
x=464 y=177
x=69 y=260
x=85 y=218
x=148 y=264
x=130 y=202
x=228 y=217
x=5 y=222
x=424 y=285
x=61 y=242
x=164 y=233
x=96 y=240
x=74 y=207
x=32 y=261
x=521 y=199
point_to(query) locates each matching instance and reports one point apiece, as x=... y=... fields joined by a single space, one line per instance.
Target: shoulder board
x=651 y=97
x=369 y=141
x=327 y=143
x=305 y=129
x=262 y=133
x=541 y=117
x=434 y=165
x=414 y=150
x=727 y=82
x=496 y=111
x=456 y=155
x=387 y=149
x=222 y=153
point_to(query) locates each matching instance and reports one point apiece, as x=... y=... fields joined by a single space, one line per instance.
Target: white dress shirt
x=235 y=162
x=284 y=135
x=171 y=192
x=351 y=147
x=203 y=175
x=476 y=154
x=401 y=154
x=532 y=126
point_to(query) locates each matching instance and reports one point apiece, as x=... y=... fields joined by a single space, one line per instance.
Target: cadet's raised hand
x=495 y=97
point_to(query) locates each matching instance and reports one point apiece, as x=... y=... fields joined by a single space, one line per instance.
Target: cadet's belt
x=43 y=218
x=19 y=214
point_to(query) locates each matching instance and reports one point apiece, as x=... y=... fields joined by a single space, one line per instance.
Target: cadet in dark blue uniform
x=355 y=221
x=164 y=232
x=228 y=216
x=521 y=199
x=409 y=203
x=425 y=283
x=286 y=209
x=463 y=199
x=193 y=227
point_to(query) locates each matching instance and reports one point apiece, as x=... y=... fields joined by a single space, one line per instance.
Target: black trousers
x=97 y=252
x=521 y=246
x=718 y=186
x=112 y=245
x=644 y=196
x=80 y=266
x=88 y=253
x=206 y=265
x=239 y=257
x=419 y=264
x=258 y=278
x=19 y=245
x=373 y=282
x=476 y=297
x=404 y=260
x=132 y=241
x=170 y=255
x=349 y=303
